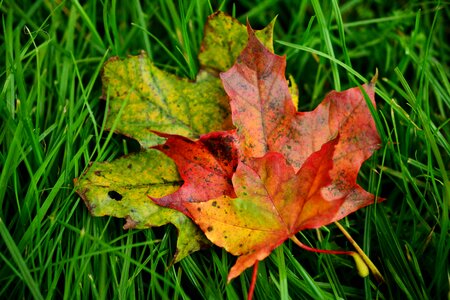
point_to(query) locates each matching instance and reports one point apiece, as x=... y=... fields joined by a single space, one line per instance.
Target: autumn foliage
x=278 y=171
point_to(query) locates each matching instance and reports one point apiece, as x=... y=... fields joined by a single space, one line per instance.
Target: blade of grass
x=325 y=34
x=92 y=28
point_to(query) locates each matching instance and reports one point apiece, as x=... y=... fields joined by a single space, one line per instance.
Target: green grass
x=51 y=127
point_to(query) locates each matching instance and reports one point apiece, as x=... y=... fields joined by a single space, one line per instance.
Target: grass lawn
x=52 y=126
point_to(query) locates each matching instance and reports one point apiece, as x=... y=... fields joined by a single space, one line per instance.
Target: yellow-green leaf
x=143 y=98
x=121 y=189
x=224 y=40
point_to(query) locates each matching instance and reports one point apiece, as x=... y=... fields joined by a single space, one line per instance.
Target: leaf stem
x=360 y=263
x=363 y=255
x=253 y=282
x=338 y=252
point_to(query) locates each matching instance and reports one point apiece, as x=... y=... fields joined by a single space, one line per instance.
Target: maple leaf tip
x=232 y=275
x=250 y=31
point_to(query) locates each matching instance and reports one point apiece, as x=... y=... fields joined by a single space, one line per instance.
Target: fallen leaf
x=206 y=166
x=273 y=204
x=120 y=189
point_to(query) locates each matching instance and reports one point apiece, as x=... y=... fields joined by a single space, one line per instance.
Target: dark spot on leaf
x=188 y=141
x=115 y=195
x=210 y=228
x=165 y=147
x=98 y=173
x=129 y=166
x=199 y=209
x=214 y=203
x=240 y=245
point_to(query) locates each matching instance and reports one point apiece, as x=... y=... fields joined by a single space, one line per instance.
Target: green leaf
x=122 y=188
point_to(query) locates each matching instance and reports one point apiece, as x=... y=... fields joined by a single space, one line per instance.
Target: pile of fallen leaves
x=227 y=158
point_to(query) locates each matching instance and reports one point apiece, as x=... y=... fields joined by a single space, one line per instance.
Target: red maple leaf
x=295 y=170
